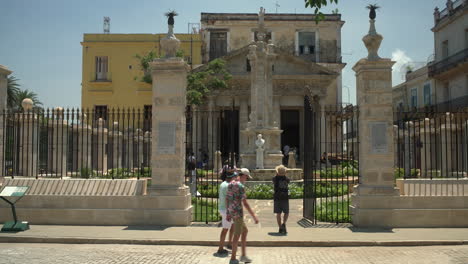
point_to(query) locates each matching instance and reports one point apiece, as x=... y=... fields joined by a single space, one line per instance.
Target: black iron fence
x=331 y=161
x=431 y=144
x=212 y=141
x=76 y=143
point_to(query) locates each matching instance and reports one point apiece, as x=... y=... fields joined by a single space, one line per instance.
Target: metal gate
x=212 y=141
x=331 y=166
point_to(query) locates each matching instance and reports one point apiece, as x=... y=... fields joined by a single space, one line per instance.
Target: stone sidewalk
x=321 y=235
x=300 y=233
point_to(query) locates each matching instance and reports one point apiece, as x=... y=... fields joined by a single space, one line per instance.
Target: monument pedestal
x=168 y=145
x=272 y=156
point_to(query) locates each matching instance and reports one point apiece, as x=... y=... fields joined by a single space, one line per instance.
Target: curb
x=168 y=242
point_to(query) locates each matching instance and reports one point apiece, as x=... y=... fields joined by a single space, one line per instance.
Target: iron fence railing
x=76 y=143
x=212 y=141
x=331 y=161
x=431 y=144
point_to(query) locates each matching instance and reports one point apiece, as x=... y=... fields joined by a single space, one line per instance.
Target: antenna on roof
x=106 y=25
x=277 y=5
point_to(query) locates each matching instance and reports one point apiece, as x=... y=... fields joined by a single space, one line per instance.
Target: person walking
x=281 y=197
x=191 y=166
x=235 y=198
x=227 y=177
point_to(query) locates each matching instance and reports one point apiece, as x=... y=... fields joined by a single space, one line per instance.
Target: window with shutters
x=306 y=43
x=101 y=68
x=218 y=44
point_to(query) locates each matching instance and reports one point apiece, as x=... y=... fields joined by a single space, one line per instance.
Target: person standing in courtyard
x=227 y=177
x=281 y=197
x=235 y=199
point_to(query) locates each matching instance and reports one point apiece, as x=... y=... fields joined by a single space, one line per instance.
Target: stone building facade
x=304 y=59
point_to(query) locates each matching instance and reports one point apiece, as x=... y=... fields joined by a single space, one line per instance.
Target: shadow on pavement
x=370 y=230
x=146 y=228
x=276 y=234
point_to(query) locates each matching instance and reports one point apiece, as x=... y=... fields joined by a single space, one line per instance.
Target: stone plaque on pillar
x=378 y=132
x=167 y=138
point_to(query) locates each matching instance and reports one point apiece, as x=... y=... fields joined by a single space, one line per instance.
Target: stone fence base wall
x=434 y=187
x=410 y=211
x=69 y=209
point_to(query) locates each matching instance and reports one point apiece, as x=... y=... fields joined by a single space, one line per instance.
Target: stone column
x=28 y=139
x=211 y=133
x=243 y=119
x=4 y=72
x=117 y=144
x=323 y=129
x=139 y=142
x=83 y=146
x=376 y=150
x=99 y=147
x=446 y=150
x=58 y=143
x=129 y=153
x=168 y=135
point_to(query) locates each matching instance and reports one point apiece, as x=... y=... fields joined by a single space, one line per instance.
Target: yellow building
x=112 y=74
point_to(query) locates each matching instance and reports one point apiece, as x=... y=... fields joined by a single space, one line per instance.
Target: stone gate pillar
x=4 y=72
x=168 y=135
x=376 y=150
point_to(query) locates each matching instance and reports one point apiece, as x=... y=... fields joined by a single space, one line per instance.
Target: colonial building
x=416 y=92
x=277 y=60
x=443 y=83
x=450 y=67
x=112 y=75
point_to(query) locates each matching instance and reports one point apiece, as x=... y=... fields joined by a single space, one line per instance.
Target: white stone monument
x=260 y=142
x=261 y=119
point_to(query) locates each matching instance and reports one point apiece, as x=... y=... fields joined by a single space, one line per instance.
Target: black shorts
x=281 y=206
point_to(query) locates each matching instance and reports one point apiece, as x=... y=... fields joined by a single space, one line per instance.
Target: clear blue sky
x=40 y=39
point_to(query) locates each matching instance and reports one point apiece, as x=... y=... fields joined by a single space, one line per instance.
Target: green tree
x=23 y=94
x=145 y=67
x=145 y=60
x=317 y=5
x=199 y=83
x=12 y=91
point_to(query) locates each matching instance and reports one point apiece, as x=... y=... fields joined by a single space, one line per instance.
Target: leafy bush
x=266 y=191
x=337 y=211
x=204 y=210
x=400 y=173
x=87 y=173
x=339 y=172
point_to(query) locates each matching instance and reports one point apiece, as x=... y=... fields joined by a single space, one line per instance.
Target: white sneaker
x=245 y=259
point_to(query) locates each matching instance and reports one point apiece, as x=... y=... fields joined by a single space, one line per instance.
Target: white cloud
x=399 y=68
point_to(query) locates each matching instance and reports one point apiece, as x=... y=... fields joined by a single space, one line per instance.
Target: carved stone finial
x=372 y=40
x=27 y=104
x=170 y=44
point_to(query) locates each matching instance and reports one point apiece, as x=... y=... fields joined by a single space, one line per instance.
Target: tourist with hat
x=236 y=198
x=281 y=197
x=227 y=176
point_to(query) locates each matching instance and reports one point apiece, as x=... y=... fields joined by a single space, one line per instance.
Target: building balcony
x=440 y=67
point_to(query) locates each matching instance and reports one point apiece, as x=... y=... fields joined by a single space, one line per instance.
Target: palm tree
x=12 y=91
x=23 y=94
x=372 y=9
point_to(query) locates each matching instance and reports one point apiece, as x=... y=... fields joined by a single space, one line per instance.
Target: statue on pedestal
x=260 y=142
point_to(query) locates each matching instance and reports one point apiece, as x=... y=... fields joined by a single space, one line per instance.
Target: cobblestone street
x=103 y=254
